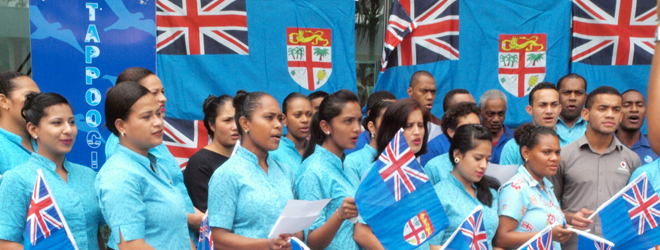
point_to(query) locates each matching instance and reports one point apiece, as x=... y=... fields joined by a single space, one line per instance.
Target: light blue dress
x=569 y=135
x=141 y=202
x=359 y=162
x=438 y=168
x=287 y=154
x=458 y=204
x=246 y=200
x=75 y=198
x=166 y=161
x=652 y=171
x=12 y=152
x=325 y=178
x=523 y=199
x=511 y=151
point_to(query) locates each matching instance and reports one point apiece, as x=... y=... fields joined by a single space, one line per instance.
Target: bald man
x=422 y=89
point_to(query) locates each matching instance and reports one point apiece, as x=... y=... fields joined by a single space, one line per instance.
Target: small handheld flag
x=471 y=235
x=542 y=241
x=46 y=227
x=587 y=241
x=630 y=218
x=205 y=238
x=297 y=244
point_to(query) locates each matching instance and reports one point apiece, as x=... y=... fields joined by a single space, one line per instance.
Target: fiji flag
x=630 y=219
x=297 y=244
x=471 y=235
x=205 y=239
x=46 y=227
x=542 y=241
x=397 y=200
x=587 y=241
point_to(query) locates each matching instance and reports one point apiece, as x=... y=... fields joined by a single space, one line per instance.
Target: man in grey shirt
x=596 y=166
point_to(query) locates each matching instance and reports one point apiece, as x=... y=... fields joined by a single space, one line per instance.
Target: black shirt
x=198 y=173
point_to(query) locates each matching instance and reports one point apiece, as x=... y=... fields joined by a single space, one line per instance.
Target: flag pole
x=591 y=236
x=623 y=190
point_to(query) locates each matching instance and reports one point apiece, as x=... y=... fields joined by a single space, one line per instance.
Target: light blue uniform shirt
x=523 y=200
x=438 y=168
x=359 y=162
x=325 y=178
x=511 y=151
x=458 y=204
x=75 y=198
x=141 y=202
x=12 y=152
x=166 y=161
x=287 y=154
x=569 y=135
x=246 y=200
x=652 y=171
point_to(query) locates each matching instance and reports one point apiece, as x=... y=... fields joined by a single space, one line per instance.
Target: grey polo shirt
x=587 y=179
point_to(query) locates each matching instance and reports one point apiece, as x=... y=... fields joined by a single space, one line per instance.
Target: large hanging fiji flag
x=630 y=219
x=46 y=227
x=613 y=42
x=219 y=47
x=397 y=200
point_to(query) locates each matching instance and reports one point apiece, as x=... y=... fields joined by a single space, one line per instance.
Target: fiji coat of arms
x=522 y=60
x=309 y=54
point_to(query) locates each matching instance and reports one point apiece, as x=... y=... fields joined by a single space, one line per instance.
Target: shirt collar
x=47 y=163
x=508 y=134
x=370 y=149
x=579 y=121
x=327 y=155
x=286 y=142
x=614 y=145
x=10 y=136
x=522 y=170
x=247 y=155
x=643 y=142
x=145 y=162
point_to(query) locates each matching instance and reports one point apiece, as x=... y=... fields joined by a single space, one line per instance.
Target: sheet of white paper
x=297 y=216
x=501 y=172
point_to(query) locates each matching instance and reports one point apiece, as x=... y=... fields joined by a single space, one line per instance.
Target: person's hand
x=279 y=243
x=561 y=234
x=348 y=209
x=580 y=221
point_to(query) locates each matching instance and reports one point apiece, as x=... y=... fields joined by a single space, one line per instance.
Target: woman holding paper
x=335 y=128
x=249 y=191
x=466 y=187
x=50 y=122
x=16 y=144
x=358 y=162
x=527 y=202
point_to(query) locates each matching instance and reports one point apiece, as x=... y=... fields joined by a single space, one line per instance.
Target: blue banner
x=79 y=48
x=277 y=47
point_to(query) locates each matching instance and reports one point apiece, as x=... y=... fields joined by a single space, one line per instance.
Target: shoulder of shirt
x=83 y=169
x=517 y=178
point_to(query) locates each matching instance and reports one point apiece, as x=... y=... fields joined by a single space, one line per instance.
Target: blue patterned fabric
x=361 y=161
x=511 y=151
x=75 y=198
x=12 y=152
x=287 y=154
x=438 y=168
x=568 y=135
x=141 y=202
x=652 y=171
x=523 y=199
x=438 y=146
x=325 y=178
x=246 y=200
x=458 y=204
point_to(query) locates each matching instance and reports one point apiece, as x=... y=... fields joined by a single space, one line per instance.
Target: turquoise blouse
x=458 y=204
x=141 y=202
x=167 y=162
x=359 y=162
x=652 y=171
x=438 y=167
x=523 y=199
x=75 y=198
x=246 y=200
x=324 y=177
x=12 y=152
x=511 y=151
x=287 y=154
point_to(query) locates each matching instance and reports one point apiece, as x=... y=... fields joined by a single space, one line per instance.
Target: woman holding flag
x=335 y=128
x=527 y=202
x=249 y=191
x=466 y=186
x=50 y=122
x=358 y=162
x=141 y=206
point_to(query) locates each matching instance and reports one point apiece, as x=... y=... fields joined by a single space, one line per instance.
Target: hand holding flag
x=471 y=235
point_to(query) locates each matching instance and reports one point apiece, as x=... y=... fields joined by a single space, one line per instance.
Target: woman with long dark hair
x=358 y=162
x=466 y=187
x=335 y=128
x=297 y=110
x=249 y=191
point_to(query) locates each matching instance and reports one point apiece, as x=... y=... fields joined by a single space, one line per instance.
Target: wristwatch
x=656 y=34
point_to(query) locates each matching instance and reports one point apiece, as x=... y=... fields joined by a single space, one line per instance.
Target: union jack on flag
x=542 y=241
x=198 y=27
x=399 y=168
x=184 y=138
x=474 y=231
x=421 y=31
x=643 y=205
x=45 y=220
x=617 y=32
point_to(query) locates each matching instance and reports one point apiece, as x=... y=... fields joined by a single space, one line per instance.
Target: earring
x=247 y=131
x=526 y=160
x=328 y=133
x=373 y=135
x=36 y=137
x=122 y=134
x=456 y=160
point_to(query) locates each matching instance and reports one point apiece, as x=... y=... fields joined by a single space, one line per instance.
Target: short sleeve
x=510 y=154
x=223 y=200
x=309 y=188
x=120 y=195
x=14 y=204
x=511 y=202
